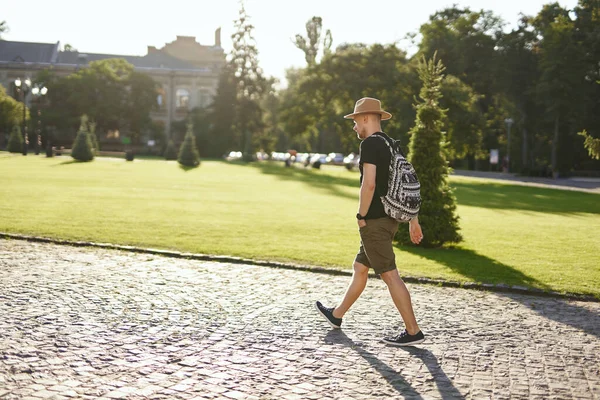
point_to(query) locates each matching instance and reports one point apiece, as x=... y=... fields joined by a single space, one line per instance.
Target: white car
x=351 y=161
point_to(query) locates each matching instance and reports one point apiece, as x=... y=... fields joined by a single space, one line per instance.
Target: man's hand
x=361 y=223
x=416 y=235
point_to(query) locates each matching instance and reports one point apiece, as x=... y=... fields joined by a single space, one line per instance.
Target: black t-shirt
x=374 y=151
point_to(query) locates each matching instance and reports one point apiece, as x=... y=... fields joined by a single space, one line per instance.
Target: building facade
x=186 y=71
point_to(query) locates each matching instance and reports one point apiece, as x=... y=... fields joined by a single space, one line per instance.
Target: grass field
x=543 y=238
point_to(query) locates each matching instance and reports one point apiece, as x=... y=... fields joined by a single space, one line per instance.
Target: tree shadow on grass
x=311 y=177
x=482 y=269
x=67 y=162
x=393 y=377
x=515 y=197
x=187 y=168
x=484 y=194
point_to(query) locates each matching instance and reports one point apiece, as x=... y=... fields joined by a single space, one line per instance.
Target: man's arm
x=367 y=189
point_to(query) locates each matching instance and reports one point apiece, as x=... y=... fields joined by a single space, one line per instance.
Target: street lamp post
x=38 y=91
x=508 y=121
x=23 y=88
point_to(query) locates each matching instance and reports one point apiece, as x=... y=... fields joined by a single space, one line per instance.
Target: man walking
x=376 y=229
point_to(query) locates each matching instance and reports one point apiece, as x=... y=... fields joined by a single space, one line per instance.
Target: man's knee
x=360 y=269
x=390 y=276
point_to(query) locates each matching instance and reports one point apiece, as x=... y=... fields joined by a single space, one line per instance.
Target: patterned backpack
x=403 y=198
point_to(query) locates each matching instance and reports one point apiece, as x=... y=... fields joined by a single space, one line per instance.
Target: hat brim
x=384 y=114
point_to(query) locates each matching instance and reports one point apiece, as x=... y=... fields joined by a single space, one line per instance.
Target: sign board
x=494 y=156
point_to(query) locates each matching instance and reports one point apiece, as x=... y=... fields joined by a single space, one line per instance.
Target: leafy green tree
x=561 y=71
x=316 y=96
x=11 y=111
x=109 y=91
x=591 y=144
x=15 y=142
x=517 y=76
x=188 y=153
x=465 y=122
x=82 y=146
x=466 y=41
x=428 y=155
x=312 y=43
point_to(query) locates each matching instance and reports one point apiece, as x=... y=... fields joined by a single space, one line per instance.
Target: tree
x=170 y=151
x=15 y=142
x=82 y=146
x=109 y=91
x=561 y=75
x=312 y=43
x=517 y=77
x=222 y=113
x=93 y=137
x=592 y=145
x=3 y=28
x=428 y=155
x=465 y=122
x=11 y=111
x=188 y=153
x=312 y=104
x=250 y=83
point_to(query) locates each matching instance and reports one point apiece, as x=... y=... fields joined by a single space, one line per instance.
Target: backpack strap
x=395 y=148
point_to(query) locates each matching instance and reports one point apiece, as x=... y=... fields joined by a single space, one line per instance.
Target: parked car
x=317 y=160
x=351 y=161
x=335 y=158
x=234 y=155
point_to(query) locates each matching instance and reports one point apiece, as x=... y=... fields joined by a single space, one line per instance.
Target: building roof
x=28 y=52
x=157 y=59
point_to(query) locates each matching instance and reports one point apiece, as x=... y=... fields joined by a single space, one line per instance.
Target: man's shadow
x=393 y=377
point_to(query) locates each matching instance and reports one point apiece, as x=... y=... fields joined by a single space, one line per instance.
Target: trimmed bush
x=82 y=146
x=188 y=153
x=171 y=151
x=15 y=143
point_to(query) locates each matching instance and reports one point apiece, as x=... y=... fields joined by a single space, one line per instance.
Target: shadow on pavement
x=393 y=377
x=479 y=268
x=444 y=384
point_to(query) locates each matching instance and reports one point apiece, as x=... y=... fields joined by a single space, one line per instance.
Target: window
x=183 y=98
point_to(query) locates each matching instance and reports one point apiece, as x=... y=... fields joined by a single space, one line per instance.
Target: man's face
x=360 y=126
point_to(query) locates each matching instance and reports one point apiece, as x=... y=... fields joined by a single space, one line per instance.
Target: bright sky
x=127 y=27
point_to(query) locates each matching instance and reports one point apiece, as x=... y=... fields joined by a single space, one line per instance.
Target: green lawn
x=518 y=235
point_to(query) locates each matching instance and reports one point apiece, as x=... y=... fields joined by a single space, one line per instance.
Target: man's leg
x=401 y=298
x=355 y=289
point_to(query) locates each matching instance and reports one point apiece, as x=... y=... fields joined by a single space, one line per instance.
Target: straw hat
x=369 y=105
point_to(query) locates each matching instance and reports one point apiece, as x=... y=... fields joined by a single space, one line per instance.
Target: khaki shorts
x=376 y=249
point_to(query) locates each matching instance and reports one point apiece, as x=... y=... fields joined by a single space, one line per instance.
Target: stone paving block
x=88 y=322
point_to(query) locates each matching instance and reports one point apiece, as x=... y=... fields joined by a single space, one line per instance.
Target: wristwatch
x=358 y=216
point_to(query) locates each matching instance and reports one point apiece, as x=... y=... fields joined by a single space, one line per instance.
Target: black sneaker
x=327 y=312
x=404 y=339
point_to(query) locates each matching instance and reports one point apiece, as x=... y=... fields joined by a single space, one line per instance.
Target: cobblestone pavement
x=90 y=323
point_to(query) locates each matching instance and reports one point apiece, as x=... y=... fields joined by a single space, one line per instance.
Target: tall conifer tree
x=428 y=155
